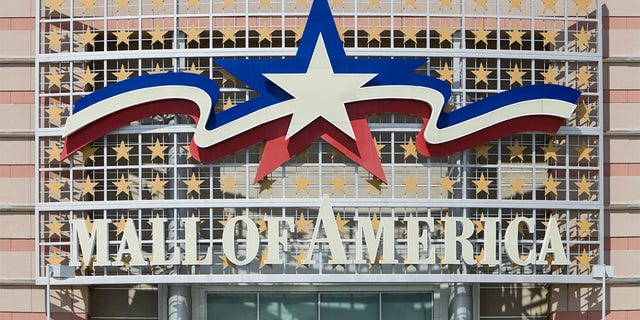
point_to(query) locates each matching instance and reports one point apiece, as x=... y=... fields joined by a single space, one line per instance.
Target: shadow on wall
x=526 y=301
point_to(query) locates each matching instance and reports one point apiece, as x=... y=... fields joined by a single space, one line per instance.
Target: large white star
x=319 y=93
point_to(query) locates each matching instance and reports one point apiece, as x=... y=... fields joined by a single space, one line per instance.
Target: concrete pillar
x=460 y=302
x=179 y=302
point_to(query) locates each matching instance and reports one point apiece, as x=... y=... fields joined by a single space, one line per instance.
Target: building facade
x=298 y=225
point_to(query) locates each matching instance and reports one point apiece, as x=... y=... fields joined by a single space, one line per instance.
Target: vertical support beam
x=179 y=302
x=460 y=301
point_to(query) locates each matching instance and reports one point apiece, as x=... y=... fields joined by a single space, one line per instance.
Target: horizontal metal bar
x=17 y=282
x=621 y=60
x=623 y=206
x=17 y=134
x=624 y=280
x=622 y=133
x=17 y=60
x=17 y=208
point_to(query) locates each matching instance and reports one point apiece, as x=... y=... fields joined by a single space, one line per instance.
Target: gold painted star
x=55 y=38
x=341 y=32
x=88 y=153
x=408 y=3
x=516 y=151
x=583 y=186
x=87 y=221
x=298 y=33
x=479 y=258
x=157 y=185
x=479 y=224
x=584 y=152
x=87 y=187
x=334 y=265
x=157 y=4
x=54 y=153
x=481 y=4
x=88 y=77
x=410 y=34
x=228 y=33
x=584 y=227
x=516 y=185
x=375 y=184
x=446 y=3
x=228 y=184
x=551 y=185
x=520 y=225
x=122 y=151
x=194 y=69
x=410 y=149
x=122 y=5
x=193 y=4
x=264 y=3
x=482 y=151
x=445 y=34
x=482 y=75
x=583 y=77
x=54 y=78
x=120 y=225
x=583 y=37
x=262 y=224
x=228 y=104
x=583 y=5
x=229 y=3
x=375 y=3
x=341 y=223
x=264 y=33
x=515 y=4
x=54 y=188
x=55 y=112
x=549 y=260
x=88 y=37
x=157 y=150
x=193 y=34
x=339 y=183
x=302 y=183
x=379 y=148
x=336 y=3
x=122 y=74
x=446 y=184
x=583 y=113
x=224 y=222
x=300 y=257
x=226 y=263
x=122 y=36
x=375 y=222
x=410 y=183
x=549 y=37
x=122 y=185
x=265 y=184
x=54 y=259
x=446 y=74
x=193 y=184
x=550 y=5
x=54 y=6
x=187 y=149
x=302 y=224
x=54 y=227
x=373 y=33
x=584 y=260
x=550 y=151
x=550 y=75
x=263 y=259
x=481 y=35
x=374 y=262
x=516 y=75
x=515 y=35
x=482 y=184
x=302 y=3
x=157 y=35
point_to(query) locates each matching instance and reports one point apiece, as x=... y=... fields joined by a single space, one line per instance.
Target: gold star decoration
x=54 y=6
x=298 y=33
x=157 y=35
x=187 y=149
x=583 y=77
x=410 y=33
x=302 y=224
x=583 y=5
x=157 y=4
x=87 y=221
x=551 y=185
x=339 y=183
x=549 y=5
x=482 y=184
x=122 y=74
x=515 y=35
x=336 y=3
x=410 y=149
x=583 y=37
x=87 y=187
x=55 y=38
x=373 y=33
x=228 y=184
x=224 y=222
x=375 y=184
x=375 y=3
x=157 y=185
x=515 y=4
x=122 y=151
x=302 y=3
x=229 y=3
x=122 y=36
x=445 y=3
x=479 y=258
x=481 y=4
x=193 y=69
x=264 y=33
x=88 y=37
x=54 y=188
x=341 y=223
x=516 y=151
x=228 y=33
x=374 y=262
x=482 y=151
x=375 y=222
x=583 y=113
x=54 y=227
x=445 y=34
x=341 y=32
x=226 y=263
x=54 y=153
x=516 y=185
x=482 y=75
x=263 y=259
x=550 y=151
x=120 y=225
x=379 y=148
x=54 y=259
x=446 y=74
x=446 y=184
x=300 y=257
x=584 y=227
x=157 y=150
x=583 y=186
x=584 y=260
x=520 y=225
x=481 y=35
x=265 y=184
x=262 y=224
x=549 y=37
x=122 y=5
x=193 y=184
x=515 y=76
x=302 y=183
x=334 y=265
x=410 y=183
x=54 y=78
x=88 y=153
x=228 y=104
x=55 y=112
x=479 y=224
x=88 y=77
x=550 y=75
x=193 y=34
x=193 y=4
x=122 y=185
x=264 y=3
x=584 y=152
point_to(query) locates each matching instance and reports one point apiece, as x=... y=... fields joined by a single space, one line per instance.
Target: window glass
x=349 y=306
x=231 y=306
x=288 y=307
x=407 y=306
